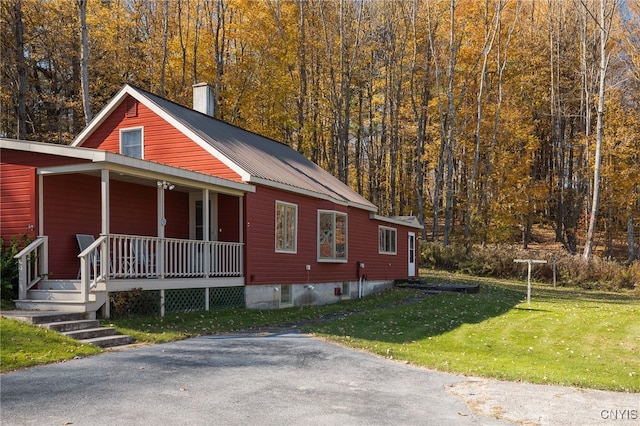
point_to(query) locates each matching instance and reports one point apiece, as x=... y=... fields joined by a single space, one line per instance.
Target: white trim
x=308 y=193
x=411 y=266
x=101 y=117
x=104 y=204
x=40 y=205
x=413 y=224
x=190 y=133
x=333 y=259
x=295 y=228
x=195 y=136
x=395 y=243
x=173 y=283
x=132 y=129
x=128 y=165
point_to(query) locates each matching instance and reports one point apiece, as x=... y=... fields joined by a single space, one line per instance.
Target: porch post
x=40 y=205
x=241 y=219
x=206 y=233
x=161 y=244
x=161 y=219
x=105 y=269
x=104 y=188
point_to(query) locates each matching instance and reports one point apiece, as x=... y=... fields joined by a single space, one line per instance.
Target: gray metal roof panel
x=259 y=156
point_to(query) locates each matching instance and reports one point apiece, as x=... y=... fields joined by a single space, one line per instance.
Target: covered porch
x=143 y=225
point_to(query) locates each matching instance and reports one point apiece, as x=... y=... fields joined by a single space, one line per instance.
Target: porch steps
x=63 y=296
x=74 y=325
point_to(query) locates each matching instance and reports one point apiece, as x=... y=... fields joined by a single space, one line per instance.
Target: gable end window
x=332 y=236
x=286 y=227
x=131 y=142
x=387 y=238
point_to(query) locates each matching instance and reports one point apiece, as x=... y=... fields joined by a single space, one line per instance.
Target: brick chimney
x=203 y=98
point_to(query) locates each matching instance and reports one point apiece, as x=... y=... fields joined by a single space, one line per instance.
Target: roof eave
x=290 y=188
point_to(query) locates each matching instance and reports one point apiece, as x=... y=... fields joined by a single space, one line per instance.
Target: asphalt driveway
x=283 y=378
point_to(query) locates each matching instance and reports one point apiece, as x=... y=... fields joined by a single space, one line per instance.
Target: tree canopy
x=482 y=118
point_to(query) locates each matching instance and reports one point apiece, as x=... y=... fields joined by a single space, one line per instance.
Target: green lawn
x=24 y=345
x=565 y=336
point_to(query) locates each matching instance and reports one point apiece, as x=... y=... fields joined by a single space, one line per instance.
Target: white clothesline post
x=529 y=262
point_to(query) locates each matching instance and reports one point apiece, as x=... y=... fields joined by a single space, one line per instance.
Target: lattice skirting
x=138 y=302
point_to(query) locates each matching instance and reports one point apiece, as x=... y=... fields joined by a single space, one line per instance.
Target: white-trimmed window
x=332 y=236
x=286 y=227
x=131 y=142
x=387 y=239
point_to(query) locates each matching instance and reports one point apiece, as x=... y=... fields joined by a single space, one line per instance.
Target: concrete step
x=44 y=317
x=110 y=341
x=74 y=325
x=64 y=326
x=51 y=305
x=90 y=333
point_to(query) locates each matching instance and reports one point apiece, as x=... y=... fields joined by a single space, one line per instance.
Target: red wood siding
x=71 y=206
x=18 y=201
x=162 y=142
x=265 y=266
x=18 y=190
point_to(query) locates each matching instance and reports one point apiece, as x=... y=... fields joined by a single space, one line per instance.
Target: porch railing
x=94 y=261
x=152 y=257
x=32 y=265
x=127 y=256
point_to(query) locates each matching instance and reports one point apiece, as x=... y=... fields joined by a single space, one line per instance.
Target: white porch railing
x=117 y=256
x=151 y=257
x=93 y=266
x=32 y=265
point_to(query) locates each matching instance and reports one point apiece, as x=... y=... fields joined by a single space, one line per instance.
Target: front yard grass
x=25 y=345
x=566 y=336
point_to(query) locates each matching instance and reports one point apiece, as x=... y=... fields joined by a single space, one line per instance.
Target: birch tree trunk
x=604 y=25
x=84 y=61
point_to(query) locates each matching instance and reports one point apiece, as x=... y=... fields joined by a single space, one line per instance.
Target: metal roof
x=263 y=160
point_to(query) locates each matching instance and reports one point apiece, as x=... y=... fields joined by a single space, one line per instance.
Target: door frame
x=411 y=254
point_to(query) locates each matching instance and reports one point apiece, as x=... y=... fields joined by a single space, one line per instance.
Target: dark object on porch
x=439 y=288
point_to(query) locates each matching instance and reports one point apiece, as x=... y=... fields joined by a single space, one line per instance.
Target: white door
x=412 y=254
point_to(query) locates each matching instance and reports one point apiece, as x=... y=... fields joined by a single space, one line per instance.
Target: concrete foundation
x=270 y=296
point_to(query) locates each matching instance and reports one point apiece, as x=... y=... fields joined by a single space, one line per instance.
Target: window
x=346 y=290
x=285 y=295
x=286 y=227
x=332 y=236
x=131 y=142
x=386 y=240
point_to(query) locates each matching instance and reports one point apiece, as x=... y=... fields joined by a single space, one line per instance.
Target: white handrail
x=93 y=265
x=33 y=264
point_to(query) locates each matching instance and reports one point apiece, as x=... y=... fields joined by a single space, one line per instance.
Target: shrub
x=437 y=256
x=9 y=265
x=135 y=302
x=498 y=261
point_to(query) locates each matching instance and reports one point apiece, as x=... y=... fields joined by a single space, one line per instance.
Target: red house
x=156 y=196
